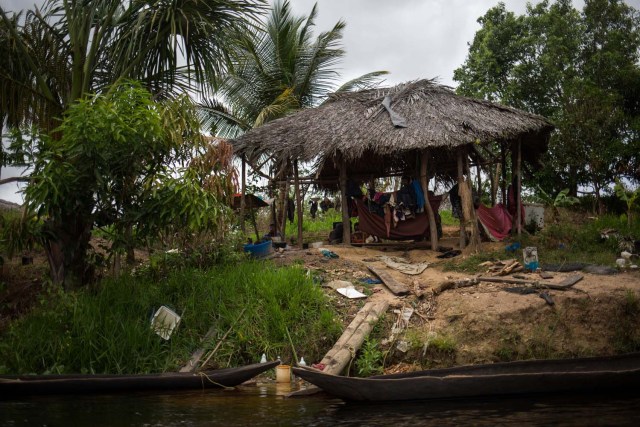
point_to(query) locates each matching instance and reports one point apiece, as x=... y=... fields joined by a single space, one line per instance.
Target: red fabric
x=496 y=221
x=375 y=225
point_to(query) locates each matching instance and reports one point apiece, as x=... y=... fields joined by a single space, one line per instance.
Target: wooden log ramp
x=344 y=350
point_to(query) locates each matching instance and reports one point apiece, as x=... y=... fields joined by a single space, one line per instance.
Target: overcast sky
x=412 y=39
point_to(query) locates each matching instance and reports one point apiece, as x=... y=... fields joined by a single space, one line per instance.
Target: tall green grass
x=107 y=329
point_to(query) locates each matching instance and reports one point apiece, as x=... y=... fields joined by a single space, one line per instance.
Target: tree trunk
x=346 y=221
x=66 y=247
x=424 y=182
x=298 y=202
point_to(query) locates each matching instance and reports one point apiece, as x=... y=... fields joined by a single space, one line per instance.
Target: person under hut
x=313 y=211
x=273 y=234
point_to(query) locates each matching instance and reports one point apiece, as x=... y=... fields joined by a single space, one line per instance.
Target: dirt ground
x=482 y=323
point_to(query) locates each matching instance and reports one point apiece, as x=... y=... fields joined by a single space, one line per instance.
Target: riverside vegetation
x=106 y=328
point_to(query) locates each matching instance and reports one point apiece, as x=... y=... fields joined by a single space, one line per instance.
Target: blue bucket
x=258 y=250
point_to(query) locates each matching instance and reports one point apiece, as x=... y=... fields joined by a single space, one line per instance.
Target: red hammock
x=496 y=221
x=412 y=228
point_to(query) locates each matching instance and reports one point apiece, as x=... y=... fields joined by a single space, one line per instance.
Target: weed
x=370 y=359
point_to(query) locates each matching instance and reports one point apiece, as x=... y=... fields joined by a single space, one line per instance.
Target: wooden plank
x=394 y=286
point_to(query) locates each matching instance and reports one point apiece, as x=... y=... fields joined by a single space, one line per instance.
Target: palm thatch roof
x=356 y=126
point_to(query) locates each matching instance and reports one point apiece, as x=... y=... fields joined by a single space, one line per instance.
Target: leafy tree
x=111 y=167
x=57 y=57
x=580 y=70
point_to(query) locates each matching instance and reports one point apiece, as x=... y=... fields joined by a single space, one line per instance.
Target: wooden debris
x=394 y=286
x=192 y=364
x=564 y=285
x=454 y=284
x=545 y=275
x=504 y=267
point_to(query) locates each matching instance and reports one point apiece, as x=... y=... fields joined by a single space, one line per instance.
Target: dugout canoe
x=595 y=374
x=21 y=385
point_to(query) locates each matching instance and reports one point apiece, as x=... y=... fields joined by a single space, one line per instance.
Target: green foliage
x=578 y=69
x=111 y=164
x=107 y=329
x=439 y=348
x=447 y=218
x=64 y=51
x=572 y=240
x=631 y=198
x=370 y=359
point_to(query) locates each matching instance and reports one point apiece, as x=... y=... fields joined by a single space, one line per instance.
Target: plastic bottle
x=302 y=362
x=264 y=358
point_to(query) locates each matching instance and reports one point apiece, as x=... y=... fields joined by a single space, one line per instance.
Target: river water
x=265 y=405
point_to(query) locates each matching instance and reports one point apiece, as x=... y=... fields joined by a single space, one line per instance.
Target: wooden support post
x=503 y=181
x=463 y=237
x=243 y=193
x=298 y=201
x=424 y=183
x=346 y=222
x=519 y=189
x=473 y=219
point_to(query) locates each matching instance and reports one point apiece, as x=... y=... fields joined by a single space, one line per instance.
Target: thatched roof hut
x=399 y=130
x=357 y=126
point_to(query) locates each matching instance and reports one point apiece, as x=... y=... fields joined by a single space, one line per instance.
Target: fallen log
x=563 y=285
x=394 y=286
x=454 y=284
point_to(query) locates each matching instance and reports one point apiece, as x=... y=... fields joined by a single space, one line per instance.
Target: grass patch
x=107 y=329
x=559 y=243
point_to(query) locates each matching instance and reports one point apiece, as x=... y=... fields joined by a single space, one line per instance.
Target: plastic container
x=530 y=256
x=283 y=374
x=164 y=321
x=258 y=250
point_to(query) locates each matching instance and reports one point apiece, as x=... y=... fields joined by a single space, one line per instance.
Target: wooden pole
x=346 y=222
x=503 y=181
x=475 y=232
x=519 y=189
x=243 y=192
x=424 y=183
x=298 y=201
x=463 y=237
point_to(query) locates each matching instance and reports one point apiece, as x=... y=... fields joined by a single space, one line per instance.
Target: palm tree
x=277 y=68
x=71 y=49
